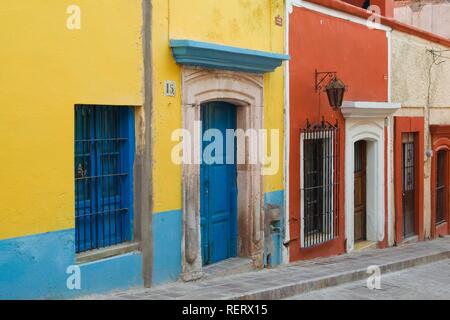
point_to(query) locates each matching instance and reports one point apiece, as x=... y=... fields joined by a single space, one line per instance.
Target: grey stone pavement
x=427 y=282
x=297 y=278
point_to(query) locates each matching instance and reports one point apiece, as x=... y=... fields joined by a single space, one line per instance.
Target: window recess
x=104 y=155
x=319 y=183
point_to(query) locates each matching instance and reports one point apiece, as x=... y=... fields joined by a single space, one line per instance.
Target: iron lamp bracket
x=322 y=77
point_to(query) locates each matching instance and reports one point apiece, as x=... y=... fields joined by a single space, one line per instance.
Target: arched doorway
x=244 y=93
x=364 y=189
x=365 y=174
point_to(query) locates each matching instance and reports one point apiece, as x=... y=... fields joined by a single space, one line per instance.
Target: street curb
x=304 y=286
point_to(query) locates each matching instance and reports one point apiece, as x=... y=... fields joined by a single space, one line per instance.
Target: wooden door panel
x=360 y=191
x=218 y=196
x=408 y=186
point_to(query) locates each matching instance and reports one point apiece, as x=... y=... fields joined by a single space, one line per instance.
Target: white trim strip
x=339 y=14
x=287 y=143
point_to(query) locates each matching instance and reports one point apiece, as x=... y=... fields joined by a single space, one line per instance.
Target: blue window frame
x=104 y=156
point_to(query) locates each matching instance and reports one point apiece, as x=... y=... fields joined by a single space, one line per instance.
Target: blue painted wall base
x=34 y=267
x=167 y=231
x=276 y=198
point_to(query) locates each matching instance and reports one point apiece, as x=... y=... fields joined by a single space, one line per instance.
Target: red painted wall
x=360 y=58
x=441 y=141
x=409 y=125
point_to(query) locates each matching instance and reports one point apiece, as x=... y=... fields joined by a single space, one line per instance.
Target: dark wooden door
x=360 y=191
x=441 y=187
x=408 y=186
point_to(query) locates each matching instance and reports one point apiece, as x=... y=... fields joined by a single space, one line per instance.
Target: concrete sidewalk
x=287 y=281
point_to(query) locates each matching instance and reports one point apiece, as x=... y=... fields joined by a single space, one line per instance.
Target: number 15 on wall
x=169 y=88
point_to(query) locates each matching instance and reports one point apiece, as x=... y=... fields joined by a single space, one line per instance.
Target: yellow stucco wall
x=45 y=70
x=241 y=23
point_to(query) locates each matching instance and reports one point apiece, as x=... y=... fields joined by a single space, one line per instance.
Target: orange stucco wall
x=360 y=57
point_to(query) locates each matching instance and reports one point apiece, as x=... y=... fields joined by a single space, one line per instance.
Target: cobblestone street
x=422 y=269
x=424 y=282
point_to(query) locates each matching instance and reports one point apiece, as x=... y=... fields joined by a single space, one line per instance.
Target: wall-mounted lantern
x=334 y=87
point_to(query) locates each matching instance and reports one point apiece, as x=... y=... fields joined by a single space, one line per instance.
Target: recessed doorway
x=360 y=219
x=218 y=187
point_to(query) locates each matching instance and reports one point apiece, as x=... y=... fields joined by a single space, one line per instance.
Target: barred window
x=319 y=183
x=104 y=152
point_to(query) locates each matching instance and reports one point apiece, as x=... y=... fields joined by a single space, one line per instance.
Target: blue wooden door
x=218 y=187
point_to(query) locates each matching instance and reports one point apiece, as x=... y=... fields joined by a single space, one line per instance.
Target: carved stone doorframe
x=245 y=91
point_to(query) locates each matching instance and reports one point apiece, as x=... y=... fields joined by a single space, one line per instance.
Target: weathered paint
x=46 y=70
x=35 y=267
x=276 y=198
x=167 y=234
x=422 y=88
x=359 y=55
x=216 y=22
x=251 y=27
x=143 y=161
x=167 y=230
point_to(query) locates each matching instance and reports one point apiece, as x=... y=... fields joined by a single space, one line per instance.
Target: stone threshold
x=231 y=266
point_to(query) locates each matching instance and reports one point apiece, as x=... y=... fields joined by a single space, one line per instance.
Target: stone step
x=365 y=245
x=228 y=267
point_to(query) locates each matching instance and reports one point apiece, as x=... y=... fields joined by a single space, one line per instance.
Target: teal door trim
x=217 y=56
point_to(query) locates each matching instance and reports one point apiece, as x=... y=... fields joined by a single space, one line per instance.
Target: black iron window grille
x=441 y=188
x=104 y=140
x=319 y=183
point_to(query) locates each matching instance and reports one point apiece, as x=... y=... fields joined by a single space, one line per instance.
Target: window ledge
x=99 y=254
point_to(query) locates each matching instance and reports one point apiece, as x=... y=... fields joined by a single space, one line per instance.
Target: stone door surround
x=245 y=91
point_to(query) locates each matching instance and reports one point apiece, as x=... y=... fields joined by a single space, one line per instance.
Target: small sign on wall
x=169 y=88
x=279 y=20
